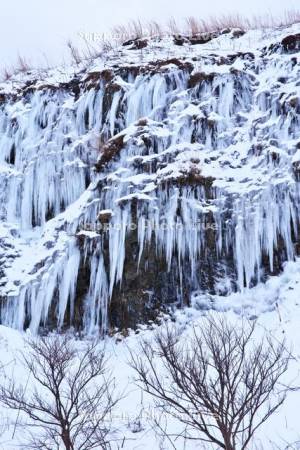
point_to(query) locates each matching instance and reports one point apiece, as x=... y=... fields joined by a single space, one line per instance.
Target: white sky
x=35 y=28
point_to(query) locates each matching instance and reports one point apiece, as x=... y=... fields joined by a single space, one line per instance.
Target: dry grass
x=120 y=33
x=22 y=64
x=172 y=27
x=87 y=51
x=155 y=29
x=193 y=26
x=134 y=29
x=229 y=21
x=75 y=54
x=196 y=26
x=290 y=17
x=6 y=74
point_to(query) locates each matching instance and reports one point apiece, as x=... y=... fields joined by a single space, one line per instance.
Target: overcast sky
x=35 y=28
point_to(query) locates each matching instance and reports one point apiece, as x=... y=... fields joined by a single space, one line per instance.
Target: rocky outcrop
x=137 y=182
x=291 y=43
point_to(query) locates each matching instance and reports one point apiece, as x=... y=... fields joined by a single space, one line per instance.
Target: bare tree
x=220 y=384
x=71 y=400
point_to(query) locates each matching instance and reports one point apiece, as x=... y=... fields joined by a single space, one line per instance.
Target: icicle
x=96 y=302
x=67 y=286
x=47 y=158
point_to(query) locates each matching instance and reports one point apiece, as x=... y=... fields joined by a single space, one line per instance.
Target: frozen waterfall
x=192 y=161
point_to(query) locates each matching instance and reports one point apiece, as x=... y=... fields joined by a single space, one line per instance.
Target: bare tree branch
x=72 y=400
x=221 y=385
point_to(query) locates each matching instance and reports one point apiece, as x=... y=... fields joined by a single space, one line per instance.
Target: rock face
x=291 y=43
x=128 y=189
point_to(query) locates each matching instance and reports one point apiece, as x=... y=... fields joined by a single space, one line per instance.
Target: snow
x=280 y=319
x=236 y=131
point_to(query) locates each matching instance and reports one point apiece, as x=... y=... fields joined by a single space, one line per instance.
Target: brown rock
x=109 y=150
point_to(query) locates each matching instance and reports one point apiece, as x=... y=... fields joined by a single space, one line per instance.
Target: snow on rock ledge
x=135 y=183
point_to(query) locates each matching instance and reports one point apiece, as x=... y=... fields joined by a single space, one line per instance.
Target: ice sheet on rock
x=221 y=152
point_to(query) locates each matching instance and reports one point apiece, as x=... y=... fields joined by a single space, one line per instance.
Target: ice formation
x=197 y=153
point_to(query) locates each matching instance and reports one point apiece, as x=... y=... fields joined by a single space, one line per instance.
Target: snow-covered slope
x=133 y=419
x=161 y=175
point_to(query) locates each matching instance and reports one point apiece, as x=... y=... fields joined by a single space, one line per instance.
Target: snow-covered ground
x=277 y=308
x=225 y=113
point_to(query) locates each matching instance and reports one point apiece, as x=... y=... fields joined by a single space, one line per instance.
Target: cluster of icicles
x=45 y=142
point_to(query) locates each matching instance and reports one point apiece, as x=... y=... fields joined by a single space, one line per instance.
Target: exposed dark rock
x=144 y=293
x=142 y=122
x=136 y=44
x=296 y=170
x=231 y=58
x=180 y=40
x=37 y=267
x=237 y=32
x=274 y=157
x=154 y=288
x=294 y=102
x=126 y=71
x=72 y=86
x=291 y=43
x=161 y=64
x=110 y=89
x=200 y=77
x=225 y=31
x=104 y=216
x=109 y=150
x=12 y=155
x=49 y=244
x=201 y=38
x=82 y=287
x=193 y=177
x=93 y=79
